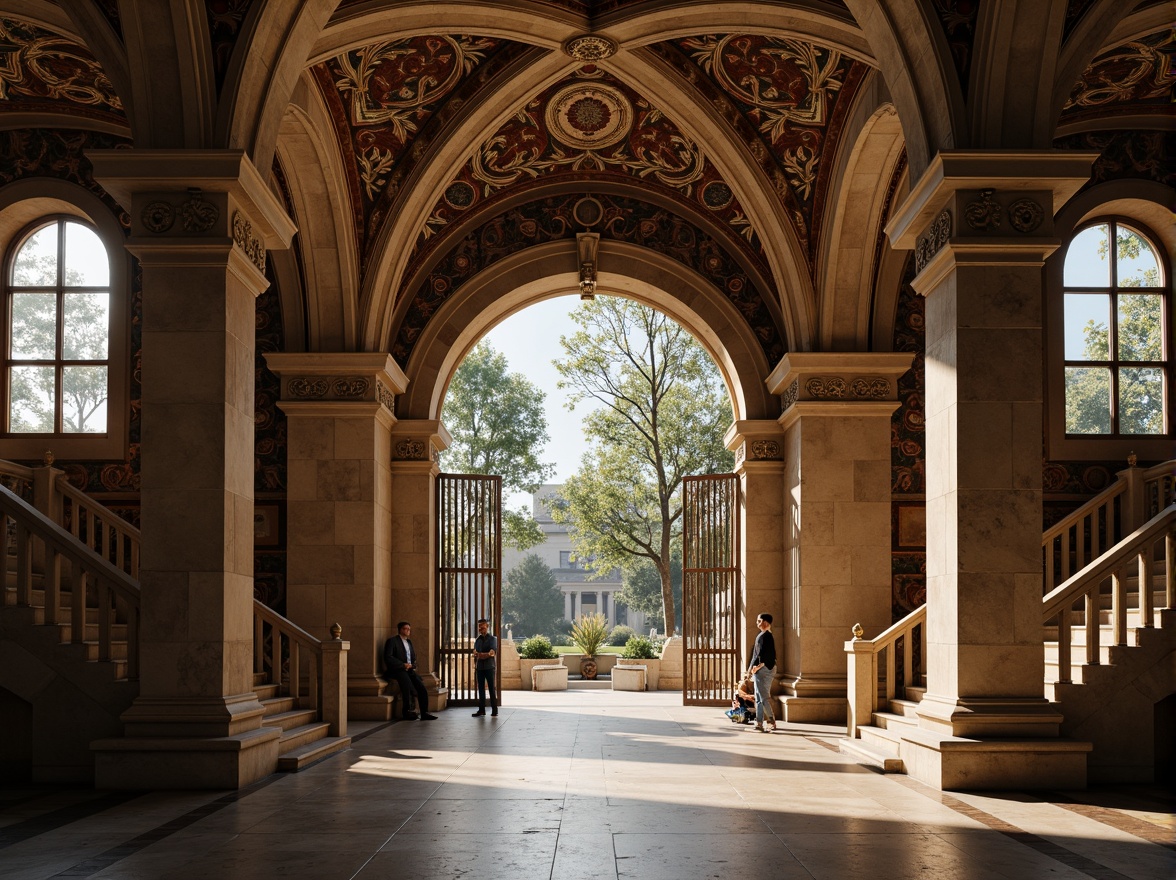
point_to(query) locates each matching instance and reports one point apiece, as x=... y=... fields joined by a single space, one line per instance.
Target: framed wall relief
x=267 y=525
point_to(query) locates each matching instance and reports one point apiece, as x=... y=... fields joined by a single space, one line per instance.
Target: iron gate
x=711 y=604
x=469 y=576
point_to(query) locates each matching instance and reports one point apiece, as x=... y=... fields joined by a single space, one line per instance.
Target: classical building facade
x=311 y=211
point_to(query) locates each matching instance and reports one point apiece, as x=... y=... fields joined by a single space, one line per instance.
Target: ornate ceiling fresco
x=958 y=18
x=41 y=71
x=225 y=18
x=1136 y=77
x=383 y=97
x=109 y=10
x=787 y=99
x=591 y=128
x=621 y=219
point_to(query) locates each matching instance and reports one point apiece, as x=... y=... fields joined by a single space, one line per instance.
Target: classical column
x=201 y=223
x=416 y=448
x=339 y=418
x=567 y=597
x=981 y=225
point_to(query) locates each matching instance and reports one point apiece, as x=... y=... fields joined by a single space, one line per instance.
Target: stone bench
x=550 y=677
x=628 y=678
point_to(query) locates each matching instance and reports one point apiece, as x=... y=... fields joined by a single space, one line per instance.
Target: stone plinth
x=670 y=675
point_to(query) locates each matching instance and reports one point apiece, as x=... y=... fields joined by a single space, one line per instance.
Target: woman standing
x=761 y=669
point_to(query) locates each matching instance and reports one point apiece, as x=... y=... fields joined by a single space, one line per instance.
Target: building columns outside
x=981 y=225
x=416 y=450
x=201 y=224
x=339 y=422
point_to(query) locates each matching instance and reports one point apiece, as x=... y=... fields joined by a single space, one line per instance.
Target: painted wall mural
x=389 y=99
x=624 y=219
x=225 y=20
x=788 y=99
x=958 y=19
x=109 y=10
x=592 y=124
x=908 y=569
x=1126 y=155
x=1136 y=76
x=44 y=71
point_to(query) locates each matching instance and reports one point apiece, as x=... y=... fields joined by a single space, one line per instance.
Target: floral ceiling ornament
x=1026 y=215
x=984 y=213
x=1140 y=71
x=590 y=48
x=39 y=66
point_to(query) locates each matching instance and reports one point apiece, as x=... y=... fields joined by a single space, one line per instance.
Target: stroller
x=742 y=709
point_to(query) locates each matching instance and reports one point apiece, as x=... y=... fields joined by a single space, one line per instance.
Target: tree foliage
x=1139 y=338
x=531 y=599
x=641 y=587
x=498 y=425
x=664 y=411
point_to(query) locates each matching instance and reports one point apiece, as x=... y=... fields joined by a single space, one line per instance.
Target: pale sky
x=530 y=341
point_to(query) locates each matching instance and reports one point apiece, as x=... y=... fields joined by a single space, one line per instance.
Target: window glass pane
x=1087 y=319
x=1088 y=400
x=36 y=261
x=86 y=262
x=34 y=326
x=1141 y=400
x=1138 y=266
x=87 y=323
x=1087 y=259
x=1141 y=335
x=30 y=408
x=83 y=400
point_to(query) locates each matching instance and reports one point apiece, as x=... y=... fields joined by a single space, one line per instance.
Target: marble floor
x=592 y=785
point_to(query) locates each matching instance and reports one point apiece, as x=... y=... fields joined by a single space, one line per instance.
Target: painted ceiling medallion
x=589 y=117
x=590 y=47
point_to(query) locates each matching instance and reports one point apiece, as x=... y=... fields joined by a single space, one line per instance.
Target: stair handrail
x=17 y=471
x=327 y=683
x=99 y=527
x=1087 y=584
x=116 y=593
x=1093 y=528
x=862 y=673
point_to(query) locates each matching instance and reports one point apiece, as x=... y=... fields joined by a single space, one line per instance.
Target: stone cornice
x=1059 y=172
x=821 y=375
x=333 y=378
x=419 y=440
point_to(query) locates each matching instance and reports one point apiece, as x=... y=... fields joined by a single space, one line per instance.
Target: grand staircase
x=1108 y=633
x=69 y=667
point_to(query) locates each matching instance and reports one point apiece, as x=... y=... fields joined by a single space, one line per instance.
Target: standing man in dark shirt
x=762 y=668
x=485 y=649
x=400 y=661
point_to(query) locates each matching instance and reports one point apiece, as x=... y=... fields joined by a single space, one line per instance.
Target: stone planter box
x=652 y=671
x=628 y=678
x=526 y=681
x=550 y=677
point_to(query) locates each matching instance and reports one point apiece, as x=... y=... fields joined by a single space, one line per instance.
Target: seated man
x=400 y=663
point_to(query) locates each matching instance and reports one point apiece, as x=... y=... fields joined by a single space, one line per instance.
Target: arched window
x=58 y=315
x=1117 y=334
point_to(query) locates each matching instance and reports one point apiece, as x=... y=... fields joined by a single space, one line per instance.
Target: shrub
x=589 y=633
x=536 y=648
x=620 y=635
x=640 y=648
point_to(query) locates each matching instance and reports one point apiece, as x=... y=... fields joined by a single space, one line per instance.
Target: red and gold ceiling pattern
x=788 y=99
x=44 y=71
x=591 y=128
x=1137 y=76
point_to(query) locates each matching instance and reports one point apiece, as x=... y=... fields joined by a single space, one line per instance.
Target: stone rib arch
x=549 y=270
x=865 y=167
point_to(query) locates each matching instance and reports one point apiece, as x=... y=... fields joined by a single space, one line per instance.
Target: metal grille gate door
x=711 y=604
x=469 y=576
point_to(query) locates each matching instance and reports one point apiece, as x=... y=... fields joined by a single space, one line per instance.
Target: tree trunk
x=663 y=569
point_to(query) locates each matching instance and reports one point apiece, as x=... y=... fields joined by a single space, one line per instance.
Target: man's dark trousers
x=485 y=679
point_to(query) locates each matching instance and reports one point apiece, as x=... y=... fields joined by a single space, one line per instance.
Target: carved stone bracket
x=931 y=242
x=586 y=246
x=250 y=245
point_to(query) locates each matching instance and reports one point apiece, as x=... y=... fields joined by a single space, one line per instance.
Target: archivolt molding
x=912 y=54
x=318 y=187
x=548 y=270
x=870 y=151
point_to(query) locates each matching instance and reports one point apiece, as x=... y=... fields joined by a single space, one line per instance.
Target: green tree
x=1140 y=338
x=34 y=333
x=664 y=412
x=641 y=587
x=498 y=425
x=531 y=598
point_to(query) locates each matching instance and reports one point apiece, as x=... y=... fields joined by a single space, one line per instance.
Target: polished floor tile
x=584 y=786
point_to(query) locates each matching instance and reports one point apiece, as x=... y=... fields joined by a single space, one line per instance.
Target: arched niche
x=549 y=270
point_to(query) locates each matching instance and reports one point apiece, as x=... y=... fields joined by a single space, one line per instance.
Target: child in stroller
x=742 y=709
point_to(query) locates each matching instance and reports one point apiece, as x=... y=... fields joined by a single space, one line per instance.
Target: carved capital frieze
x=250 y=244
x=838 y=388
x=933 y=240
x=765 y=450
x=412 y=449
x=196 y=213
x=1003 y=213
x=386 y=397
x=330 y=388
x=789 y=397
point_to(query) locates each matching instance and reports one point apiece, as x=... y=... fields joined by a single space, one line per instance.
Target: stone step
x=305 y=734
x=265 y=691
x=915 y=693
x=118 y=650
x=596 y=684
x=893 y=721
x=906 y=708
x=311 y=753
x=290 y=719
x=864 y=752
